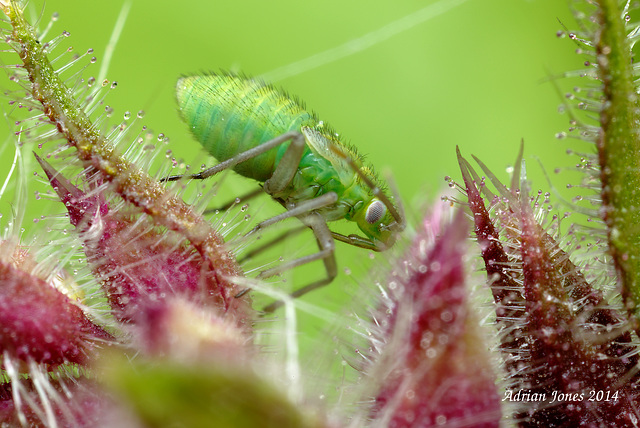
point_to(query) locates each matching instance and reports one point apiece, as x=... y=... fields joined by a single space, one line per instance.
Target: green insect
x=262 y=133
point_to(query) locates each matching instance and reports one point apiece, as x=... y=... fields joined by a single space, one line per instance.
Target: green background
x=473 y=76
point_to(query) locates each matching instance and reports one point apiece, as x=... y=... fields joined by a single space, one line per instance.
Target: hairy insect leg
x=326 y=244
x=302 y=211
x=287 y=167
x=298 y=210
x=294 y=136
x=283 y=173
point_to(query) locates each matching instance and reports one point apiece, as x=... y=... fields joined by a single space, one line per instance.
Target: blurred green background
x=473 y=77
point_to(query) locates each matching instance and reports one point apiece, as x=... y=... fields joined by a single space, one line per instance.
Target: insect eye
x=375 y=212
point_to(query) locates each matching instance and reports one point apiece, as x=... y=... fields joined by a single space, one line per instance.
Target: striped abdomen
x=229 y=115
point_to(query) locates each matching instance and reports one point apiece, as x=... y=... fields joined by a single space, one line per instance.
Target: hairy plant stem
x=130 y=182
x=619 y=149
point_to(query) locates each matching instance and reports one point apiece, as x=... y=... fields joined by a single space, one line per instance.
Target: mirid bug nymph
x=264 y=134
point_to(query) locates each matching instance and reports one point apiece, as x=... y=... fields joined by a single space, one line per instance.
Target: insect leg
x=358 y=241
x=241 y=157
x=303 y=211
x=287 y=167
x=302 y=208
x=326 y=244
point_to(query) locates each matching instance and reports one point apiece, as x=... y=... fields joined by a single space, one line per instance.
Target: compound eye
x=375 y=212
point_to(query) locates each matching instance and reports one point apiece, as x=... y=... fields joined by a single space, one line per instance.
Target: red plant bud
x=38 y=323
x=139 y=263
x=435 y=369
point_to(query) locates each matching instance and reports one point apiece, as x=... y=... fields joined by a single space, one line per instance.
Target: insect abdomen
x=229 y=115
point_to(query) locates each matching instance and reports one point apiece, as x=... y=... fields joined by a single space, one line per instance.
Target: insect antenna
x=281 y=238
x=248 y=196
x=396 y=194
